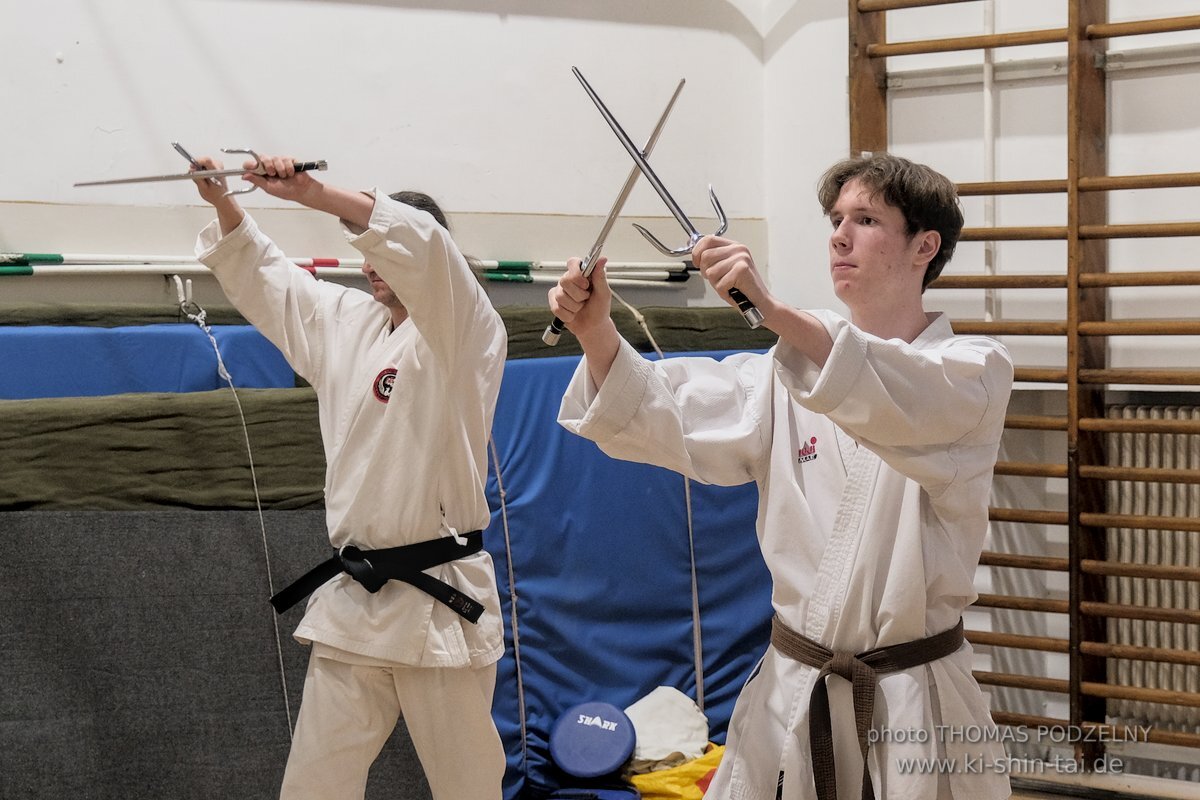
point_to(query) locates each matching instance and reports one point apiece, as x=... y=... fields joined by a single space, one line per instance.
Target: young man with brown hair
x=872 y=441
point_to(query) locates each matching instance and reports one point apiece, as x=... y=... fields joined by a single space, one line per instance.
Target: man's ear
x=929 y=242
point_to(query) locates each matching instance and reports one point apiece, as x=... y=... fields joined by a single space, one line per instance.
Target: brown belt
x=863 y=671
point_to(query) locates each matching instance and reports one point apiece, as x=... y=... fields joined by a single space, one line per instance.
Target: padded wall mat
x=161 y=450
x=675 y=329
x=139 y=657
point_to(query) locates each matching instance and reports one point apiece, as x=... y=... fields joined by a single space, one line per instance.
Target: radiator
x=1176 y=548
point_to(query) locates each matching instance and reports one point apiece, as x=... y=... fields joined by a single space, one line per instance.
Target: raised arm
x=702 y=418
x=212 y=191
x=410 y=252
x=284 y=303
x=585 y=307
x=917 y=405
x=727 y=264
x=284 y=182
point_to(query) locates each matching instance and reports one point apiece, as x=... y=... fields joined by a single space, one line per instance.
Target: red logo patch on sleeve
x=384 y=382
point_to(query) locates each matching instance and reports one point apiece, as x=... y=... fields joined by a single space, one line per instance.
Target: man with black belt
x=404 y=617
x=872 y=440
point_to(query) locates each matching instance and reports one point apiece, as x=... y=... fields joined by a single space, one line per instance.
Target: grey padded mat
x=138 y=656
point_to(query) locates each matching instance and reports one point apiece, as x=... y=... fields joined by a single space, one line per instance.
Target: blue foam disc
x=591 y=739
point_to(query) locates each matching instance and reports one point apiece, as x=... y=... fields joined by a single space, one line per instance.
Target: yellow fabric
x=684 y=782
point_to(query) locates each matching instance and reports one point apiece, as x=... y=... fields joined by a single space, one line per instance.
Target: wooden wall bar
x=1049 y=281
x=1031 y=469
x=1085 y=326
x=892 y=5
x=1182 y=278
x=868 y=82
x=1011 y=187
x=1014 y=234
x=1103 y=473
x=1000 y=282
x=1019 y=39
x=1108 y=30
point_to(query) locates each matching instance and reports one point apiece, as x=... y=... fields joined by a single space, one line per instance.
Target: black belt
x=374 y=568
x=863 y=671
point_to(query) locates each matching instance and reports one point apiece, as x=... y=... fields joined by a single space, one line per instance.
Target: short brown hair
x=927 y=199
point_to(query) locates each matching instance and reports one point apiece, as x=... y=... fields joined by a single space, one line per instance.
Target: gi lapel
x=837 y=562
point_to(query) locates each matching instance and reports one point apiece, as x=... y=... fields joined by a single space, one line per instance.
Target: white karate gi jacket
x=404 y=467
x=874 y=475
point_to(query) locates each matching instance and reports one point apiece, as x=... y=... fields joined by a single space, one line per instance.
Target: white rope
x=697 y=639
x=198 y=315
x=641 y=320
x=512 y=605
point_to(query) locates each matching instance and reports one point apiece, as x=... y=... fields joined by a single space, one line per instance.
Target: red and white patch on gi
x=384 y=382
x=808 y=452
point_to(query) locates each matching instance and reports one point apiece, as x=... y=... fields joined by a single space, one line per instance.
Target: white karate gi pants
x=349 y=711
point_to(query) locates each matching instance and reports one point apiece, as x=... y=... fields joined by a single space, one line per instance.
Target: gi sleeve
x=923 y=407
x=696 y=416
x=285 y=303
x=416 y=257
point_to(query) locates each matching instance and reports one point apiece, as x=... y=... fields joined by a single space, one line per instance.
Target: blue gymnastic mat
x=600 y=562
x=63 y=361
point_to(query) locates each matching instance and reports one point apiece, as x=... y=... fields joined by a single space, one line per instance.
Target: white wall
x=472 y=101
x=479 y=103
x=806 y=129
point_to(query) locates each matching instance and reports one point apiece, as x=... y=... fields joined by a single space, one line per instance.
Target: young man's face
x=379 y=290
x=871 y=255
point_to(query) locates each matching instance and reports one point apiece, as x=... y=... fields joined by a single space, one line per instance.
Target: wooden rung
x=1138 y=327
x=1149 y=474
x=1012 y=187
x=1009 y=327
x=1158 y=736
x=1140 y=522
x=949 y=45
x=1044 y=644
x=1135 y=653
x=1119 y=425
x=1019 y=603
x=1141 y=694
x=1031 y=469
x=1149 y=377
x=1039 y=375
x=1144 y=230
x=1030 y=721
x=1089 y=280
x=1035 y=422
x=1162 y=180
x=1124 y=327
x=1001 y=282
x=1174 y=738
x=867 y=6
x=990 y=559
x=1030 y=515
x=1014 y=234
x=1022 y=681
x=1108 y=30
x=1027 y=720
x=1166 y=572
x=1117 y=611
